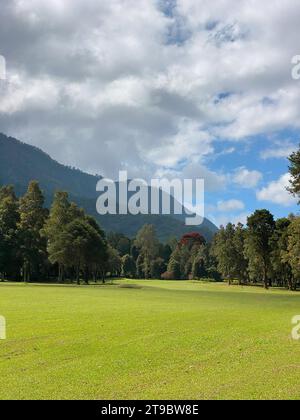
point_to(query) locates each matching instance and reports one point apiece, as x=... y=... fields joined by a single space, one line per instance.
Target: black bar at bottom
x=111 y=409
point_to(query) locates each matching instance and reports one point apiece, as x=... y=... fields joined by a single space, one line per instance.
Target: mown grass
x=159 y=340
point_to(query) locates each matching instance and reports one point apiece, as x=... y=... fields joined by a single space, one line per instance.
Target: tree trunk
x=60 y=273
x=26 y=277
x=265 y=279
x=78 y=275
x=86 y=276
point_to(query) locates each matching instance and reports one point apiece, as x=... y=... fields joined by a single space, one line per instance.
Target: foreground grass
x=163 y=340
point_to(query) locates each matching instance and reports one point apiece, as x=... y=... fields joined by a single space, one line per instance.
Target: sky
x=175 y=88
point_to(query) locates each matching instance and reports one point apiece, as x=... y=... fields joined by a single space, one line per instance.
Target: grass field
x=162 y=340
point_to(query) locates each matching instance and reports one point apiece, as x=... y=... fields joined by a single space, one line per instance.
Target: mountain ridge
x=20 y=163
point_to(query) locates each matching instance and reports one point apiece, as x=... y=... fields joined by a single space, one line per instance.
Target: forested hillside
x=21 y=163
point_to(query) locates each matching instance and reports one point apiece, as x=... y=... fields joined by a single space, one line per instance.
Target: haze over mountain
x=20 y=163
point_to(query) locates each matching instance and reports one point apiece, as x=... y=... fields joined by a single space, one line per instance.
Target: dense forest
x=65 y=244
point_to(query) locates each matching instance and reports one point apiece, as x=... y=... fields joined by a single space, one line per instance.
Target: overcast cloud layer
x=158 y=87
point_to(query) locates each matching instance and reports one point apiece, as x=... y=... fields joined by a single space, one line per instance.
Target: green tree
x=295 y=173
x=10 y=261
x=146 y=241
x=182 y=264
x=199 y=267
x=293 y=252
x=99 y=255
x=128 y=266
x=114 y=262
x=174 y=266
x=157 y=268
x=212 y=264
x=140 y=268
x=279 y=247
x=261 y=227
x=75 y=240
x=148 y=245
x=165 y=252
x=120 y=242
x=54 y=230
x=224 y=249
x=33 y=216
x=78 y=239
x=241 y=262
x=86 y=248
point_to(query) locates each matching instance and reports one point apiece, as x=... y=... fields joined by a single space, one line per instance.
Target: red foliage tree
x=191 y=239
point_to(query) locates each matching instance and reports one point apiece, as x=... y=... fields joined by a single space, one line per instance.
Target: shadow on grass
x=214 y=290
x=60 y=285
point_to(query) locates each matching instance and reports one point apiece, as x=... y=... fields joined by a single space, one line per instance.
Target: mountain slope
x=21 y=163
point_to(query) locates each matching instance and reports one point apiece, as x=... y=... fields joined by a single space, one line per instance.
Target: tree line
x=66 y=244
x=265 y=251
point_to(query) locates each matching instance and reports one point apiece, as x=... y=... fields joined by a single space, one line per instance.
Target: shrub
x=168 y=275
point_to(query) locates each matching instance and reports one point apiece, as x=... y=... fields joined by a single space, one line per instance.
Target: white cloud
x=279 y=150
x=246 y=178
x=230 y=205
x=109 y=85
x=182 y=146
x=213 y=181
x=277 y=193
x=224 y=219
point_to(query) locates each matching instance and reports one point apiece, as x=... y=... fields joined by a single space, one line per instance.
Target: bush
x=168 y=275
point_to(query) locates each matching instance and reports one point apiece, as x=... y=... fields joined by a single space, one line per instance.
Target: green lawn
x=163 y=340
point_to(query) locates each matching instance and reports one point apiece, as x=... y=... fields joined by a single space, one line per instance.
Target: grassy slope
x=165 y=340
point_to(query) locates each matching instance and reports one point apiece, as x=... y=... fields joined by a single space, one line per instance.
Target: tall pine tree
x=33 y=216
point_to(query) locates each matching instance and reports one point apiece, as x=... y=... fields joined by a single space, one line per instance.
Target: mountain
x=20 y=163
